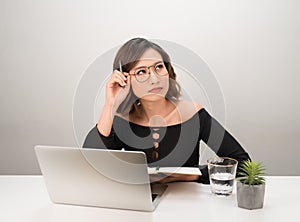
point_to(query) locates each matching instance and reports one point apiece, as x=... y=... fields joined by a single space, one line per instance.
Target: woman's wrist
x=110 y=107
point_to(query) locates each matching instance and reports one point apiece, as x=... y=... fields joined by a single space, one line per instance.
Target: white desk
x=25 y=198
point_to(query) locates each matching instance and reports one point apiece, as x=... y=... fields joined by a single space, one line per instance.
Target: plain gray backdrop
x=252 y=47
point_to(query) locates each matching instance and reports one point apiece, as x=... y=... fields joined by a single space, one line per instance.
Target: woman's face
x=151 y=87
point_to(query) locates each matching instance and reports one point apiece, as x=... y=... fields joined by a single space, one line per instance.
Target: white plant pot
x=250 y=196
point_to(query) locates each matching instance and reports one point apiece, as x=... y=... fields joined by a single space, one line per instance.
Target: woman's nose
x=153 y=77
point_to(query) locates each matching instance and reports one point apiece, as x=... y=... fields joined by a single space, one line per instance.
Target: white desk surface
x=25 y=198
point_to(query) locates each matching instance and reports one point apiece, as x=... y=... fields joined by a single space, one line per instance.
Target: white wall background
x=252 y=47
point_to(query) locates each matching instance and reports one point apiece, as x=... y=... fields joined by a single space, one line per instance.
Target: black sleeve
x=95 y=139
x=220 y=141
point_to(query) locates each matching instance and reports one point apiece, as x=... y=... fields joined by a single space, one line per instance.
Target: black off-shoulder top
x=176 y=145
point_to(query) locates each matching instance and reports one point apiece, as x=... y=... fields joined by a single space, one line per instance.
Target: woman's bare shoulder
x=198 y=106
x=188 y=109
x=189 y=105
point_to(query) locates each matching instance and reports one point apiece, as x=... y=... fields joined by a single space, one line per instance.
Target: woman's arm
x=104 y=124
x=95 y=139
x=220 y=141
x=175 y=177
x=103 y=134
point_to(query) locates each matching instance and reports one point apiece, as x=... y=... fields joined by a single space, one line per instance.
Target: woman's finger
x=119 y=80
x=123 y=75
x=128 y=81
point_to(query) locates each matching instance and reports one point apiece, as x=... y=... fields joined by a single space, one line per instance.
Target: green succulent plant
x=252 y=173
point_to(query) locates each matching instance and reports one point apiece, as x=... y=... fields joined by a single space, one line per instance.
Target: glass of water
x=222 y=171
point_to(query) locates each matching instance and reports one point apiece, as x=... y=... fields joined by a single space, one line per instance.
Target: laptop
x=98 y=177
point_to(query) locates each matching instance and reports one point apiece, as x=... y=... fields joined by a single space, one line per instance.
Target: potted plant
x=251 y=185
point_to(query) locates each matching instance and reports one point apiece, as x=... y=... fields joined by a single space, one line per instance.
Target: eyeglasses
x=142 y=73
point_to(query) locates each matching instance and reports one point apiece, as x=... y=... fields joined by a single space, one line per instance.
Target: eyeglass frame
x=149 y=73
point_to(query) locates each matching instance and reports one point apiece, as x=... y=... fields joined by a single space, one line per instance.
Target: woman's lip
x=155 y=90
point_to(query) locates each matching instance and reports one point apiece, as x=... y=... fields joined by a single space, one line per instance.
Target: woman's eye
x=141 y=72
x=159 y=66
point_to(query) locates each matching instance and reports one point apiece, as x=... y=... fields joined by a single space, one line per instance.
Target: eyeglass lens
x=143 y=73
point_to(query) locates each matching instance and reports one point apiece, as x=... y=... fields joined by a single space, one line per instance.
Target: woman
x=142 y=112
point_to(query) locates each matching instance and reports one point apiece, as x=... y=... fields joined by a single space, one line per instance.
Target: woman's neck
x=160 y=108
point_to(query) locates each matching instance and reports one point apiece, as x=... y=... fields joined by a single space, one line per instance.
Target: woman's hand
x=175 y=177
x=117 y=88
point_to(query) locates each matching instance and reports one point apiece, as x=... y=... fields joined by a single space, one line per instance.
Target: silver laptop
x=98 y=177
